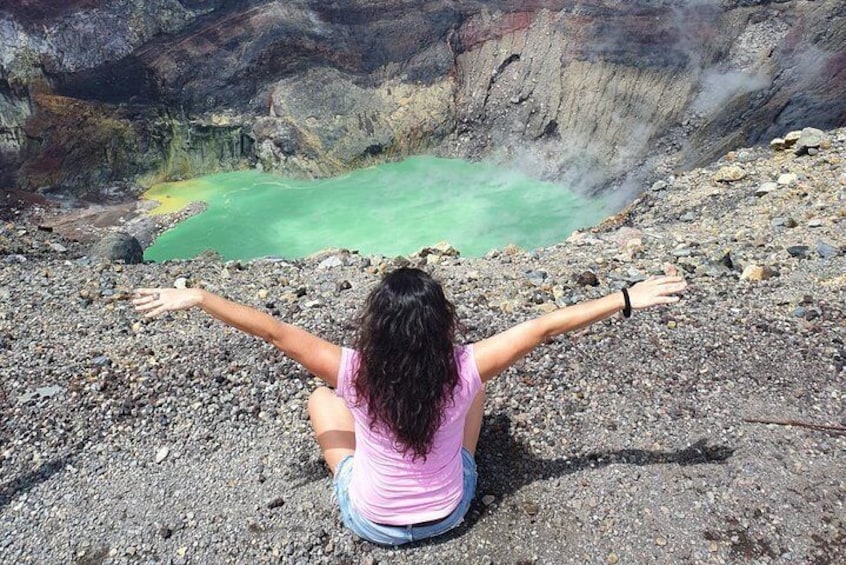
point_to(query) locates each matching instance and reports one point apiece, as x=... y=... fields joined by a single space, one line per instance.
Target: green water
x=390 y=209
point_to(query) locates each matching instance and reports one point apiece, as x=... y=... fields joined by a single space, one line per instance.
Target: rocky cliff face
x=602 y=93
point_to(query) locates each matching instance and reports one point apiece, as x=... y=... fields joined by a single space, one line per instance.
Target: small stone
x=587 y=278
x=578 y=236
x=731 y=173
x=815 y=223
x=799 y=312
x=791 y=138
x=725 y=260
x=660 y=541
x=766 y=188
x=658 y=186
x=40 y=393
x=531 y=508
x=787 y=179
x=343 y=285
x=536 y=277
x=798 y=251
x=275 y=502
x=162 y=454
x=777 y=144
x=488 y=499
x=441 y=248
x=757 y=273
x=713 y=547
x=102 y=361
x=672 y=324
x=827 y=251
x=180 y=282
x=263 y=294
x=612 y=558
x=809 y=138
x=634 y=276
x=509 y=306
x=634 y=246
x=330 y=262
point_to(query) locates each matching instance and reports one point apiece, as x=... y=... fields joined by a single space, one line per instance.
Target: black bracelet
x=627 y=309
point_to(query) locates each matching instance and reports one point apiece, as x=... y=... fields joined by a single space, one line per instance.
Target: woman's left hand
x=155 y=301
x=656 y=290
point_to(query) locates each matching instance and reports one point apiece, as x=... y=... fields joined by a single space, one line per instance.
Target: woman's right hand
x=155 y=301
x=656 y=290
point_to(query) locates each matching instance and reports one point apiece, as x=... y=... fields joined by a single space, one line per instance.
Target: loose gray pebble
x=275 y=502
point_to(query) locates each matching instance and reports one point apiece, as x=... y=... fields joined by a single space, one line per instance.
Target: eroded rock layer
x=598 y=94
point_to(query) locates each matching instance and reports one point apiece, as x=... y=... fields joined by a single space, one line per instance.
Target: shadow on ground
x=505 y=465
x=27 y=481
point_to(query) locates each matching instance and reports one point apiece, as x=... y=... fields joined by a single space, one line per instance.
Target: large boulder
x=118 y=246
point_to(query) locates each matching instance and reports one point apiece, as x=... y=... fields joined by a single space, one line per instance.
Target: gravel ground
x=182 y=441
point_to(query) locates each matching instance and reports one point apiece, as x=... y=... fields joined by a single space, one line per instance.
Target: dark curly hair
x=407 y=372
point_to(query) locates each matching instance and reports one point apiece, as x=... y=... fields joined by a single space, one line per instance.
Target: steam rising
x=717 y=88
x=626 y=137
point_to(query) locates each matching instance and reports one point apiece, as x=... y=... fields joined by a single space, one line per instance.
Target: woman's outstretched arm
x=317 y=355
x=498 y=352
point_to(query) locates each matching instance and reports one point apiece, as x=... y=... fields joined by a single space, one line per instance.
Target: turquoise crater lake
x=389 y=209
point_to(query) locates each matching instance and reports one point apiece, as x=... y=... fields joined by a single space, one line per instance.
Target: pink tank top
x=388 y=487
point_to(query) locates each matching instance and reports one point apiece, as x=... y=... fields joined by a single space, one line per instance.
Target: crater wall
x=603 y=95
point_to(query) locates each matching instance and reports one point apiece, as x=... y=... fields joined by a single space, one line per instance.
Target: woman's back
x=391 y=487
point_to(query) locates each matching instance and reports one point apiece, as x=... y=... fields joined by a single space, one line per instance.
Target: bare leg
x=333 y=425
x=473 y=424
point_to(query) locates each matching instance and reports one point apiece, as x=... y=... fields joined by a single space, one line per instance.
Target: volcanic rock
x=118 y=246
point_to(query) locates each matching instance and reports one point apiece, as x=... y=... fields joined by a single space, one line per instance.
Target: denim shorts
x=398 y=535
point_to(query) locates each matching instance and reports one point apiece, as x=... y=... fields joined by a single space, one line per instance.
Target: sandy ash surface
x=182 y=441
